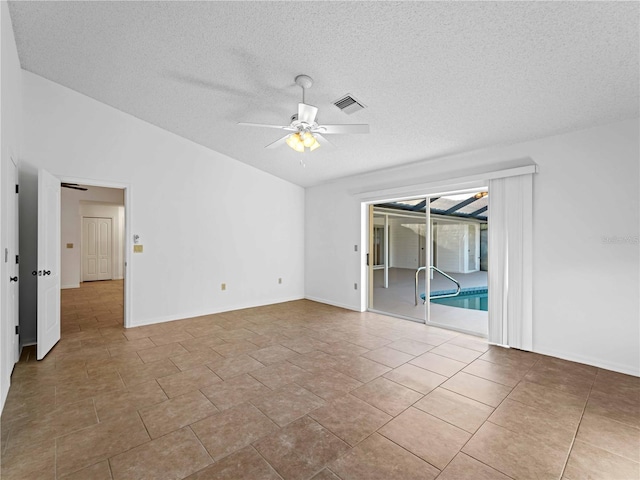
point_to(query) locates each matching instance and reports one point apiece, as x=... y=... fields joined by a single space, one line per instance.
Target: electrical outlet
x=355 y=248
x=280 y=280
x=355 y=286
x=223 y=286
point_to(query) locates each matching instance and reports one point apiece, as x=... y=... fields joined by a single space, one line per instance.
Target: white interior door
x=96 y=249
x=48 y=262
x=13 y=300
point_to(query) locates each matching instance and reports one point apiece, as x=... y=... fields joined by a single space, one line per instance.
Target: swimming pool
x=473 y=299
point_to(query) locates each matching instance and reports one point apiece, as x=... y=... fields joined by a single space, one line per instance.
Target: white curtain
x=510 y=260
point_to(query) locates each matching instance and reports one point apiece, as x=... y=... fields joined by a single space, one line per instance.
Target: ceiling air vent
x=348 y=104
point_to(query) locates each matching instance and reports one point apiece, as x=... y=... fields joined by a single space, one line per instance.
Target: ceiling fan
x=307 y=134
x=74 y=186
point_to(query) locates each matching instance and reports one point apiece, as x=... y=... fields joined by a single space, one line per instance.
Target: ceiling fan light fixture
x=299 y=141
x=295 y=142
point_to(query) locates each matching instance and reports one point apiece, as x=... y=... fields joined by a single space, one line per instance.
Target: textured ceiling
x=437 y=77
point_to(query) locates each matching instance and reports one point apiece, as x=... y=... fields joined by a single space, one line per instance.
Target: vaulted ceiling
x=437 y=77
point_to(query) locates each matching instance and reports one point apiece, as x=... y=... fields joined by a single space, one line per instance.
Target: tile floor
x=303 y=390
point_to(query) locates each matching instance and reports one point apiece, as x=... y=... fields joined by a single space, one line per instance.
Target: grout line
x=575 y=435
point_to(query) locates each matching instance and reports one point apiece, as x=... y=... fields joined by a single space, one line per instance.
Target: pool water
x=475 y=300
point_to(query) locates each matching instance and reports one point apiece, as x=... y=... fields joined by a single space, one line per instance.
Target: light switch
x=137 y=249
x=69 y=245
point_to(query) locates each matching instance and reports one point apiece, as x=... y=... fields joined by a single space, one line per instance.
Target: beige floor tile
x=119 y=348
x=325 y=474
x=477 y=388
x=350 y=419
x=328 y=384
x=549 y=428
x=60 y=421
x=287 y=404
x=362 y=369
x=235 y=391
x=36 y=462
x=503 y=374
x=188 y=381
x=456 y=352
x=470 y=342
x=617 y=383
x=314 y=361
x=426 y=436
x=73 y=392
x=370 y=342
x=415 y=378
x=378 y=458
x=229 y=367
x=158 y=353
x=455 y=409
x=549 y=399
x=173 y=456
x=243 y=464
x=236 y=334
x=510 y=357
x=173 y=337
x=238 y=347
x=388 y=396
x=438 y=364
x=300 y=449
x=202 y=343
x=516 y=454
x=589 y=462
x=574 y=383
x=343 y=348
x=98 y=471
x=609 y=435
x=134 y=375
x=115 y=404
x=388 y=356
x=412 y=347
x=232 y=430
x=99 y=442
x=623 y=408
x=304 y=344
x=278 y=375
x=186 y=361
x=176 y=413
x=272 y=354
x=465 y=467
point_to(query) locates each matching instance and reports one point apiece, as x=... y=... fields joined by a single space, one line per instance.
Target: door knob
x=46 y=272
x=13 y=279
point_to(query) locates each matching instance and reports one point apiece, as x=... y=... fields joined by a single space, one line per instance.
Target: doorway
x=433 y=250
x=93 y=256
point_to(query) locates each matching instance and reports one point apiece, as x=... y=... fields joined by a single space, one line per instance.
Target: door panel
x=96 y=248
x=48 y=262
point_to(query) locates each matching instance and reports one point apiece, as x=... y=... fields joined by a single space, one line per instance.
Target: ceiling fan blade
x=323 y=140
x=74 y=186
x=307 y=113
x=281 y=127
x=350 y=128
x=277 y=143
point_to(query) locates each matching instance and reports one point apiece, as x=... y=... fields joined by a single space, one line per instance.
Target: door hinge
x=17 y=329
x=17 y=188
x=367 y=259
x=17 y=259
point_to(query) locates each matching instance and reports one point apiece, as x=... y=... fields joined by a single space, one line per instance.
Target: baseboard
x=73 y=285
x=335 y=304
x=594 y=362
x=200 y=313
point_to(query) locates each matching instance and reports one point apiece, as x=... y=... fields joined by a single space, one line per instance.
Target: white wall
x=205 y=219
x=586 y=227
x=94 y=202
x=405 y=243
x=10 y=85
